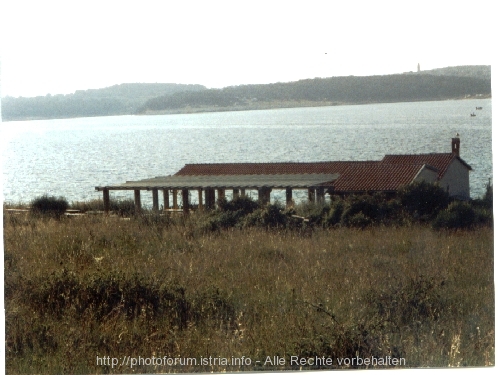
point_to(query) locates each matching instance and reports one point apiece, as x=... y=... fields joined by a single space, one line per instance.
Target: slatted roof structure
x=241 y=181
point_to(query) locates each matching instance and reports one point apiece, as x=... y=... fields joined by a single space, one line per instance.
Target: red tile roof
x=377 y=177
x=438 y=161
x=392 y=172
x=328 y=167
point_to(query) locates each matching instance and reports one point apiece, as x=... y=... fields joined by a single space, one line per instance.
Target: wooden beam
x=166 y=201
x=156 y=206
x=105 y=198
x=137 y=201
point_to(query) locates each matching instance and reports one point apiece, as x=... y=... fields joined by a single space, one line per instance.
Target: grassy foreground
x=84 y=288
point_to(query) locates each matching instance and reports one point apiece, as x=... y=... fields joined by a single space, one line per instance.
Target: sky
x=58 y=47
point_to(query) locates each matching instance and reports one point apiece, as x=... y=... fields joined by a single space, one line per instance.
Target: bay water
x=69 y=157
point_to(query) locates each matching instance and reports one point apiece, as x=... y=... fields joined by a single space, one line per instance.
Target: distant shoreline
x=286 y=105
x=249 y=107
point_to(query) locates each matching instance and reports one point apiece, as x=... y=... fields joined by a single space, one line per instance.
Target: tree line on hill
x=115 y=100
x=326 y=91
x=126 y=99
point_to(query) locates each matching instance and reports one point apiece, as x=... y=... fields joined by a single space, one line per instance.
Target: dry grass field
x=80 y=289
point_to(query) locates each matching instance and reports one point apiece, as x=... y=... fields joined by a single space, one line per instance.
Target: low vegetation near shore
x=82 y=288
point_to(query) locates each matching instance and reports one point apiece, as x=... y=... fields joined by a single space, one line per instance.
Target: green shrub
x=314 y=212
x=224 y=220
x=358 y=220
x=99 y=294
x=423 y=200
x=360 y=211
x=458 y=215
x=488 y=195
x=269 y=216
x=484 y=216
x=334 y=215
x=49 y=205
x=243 y=204
x=123 y=207
x=487 y=200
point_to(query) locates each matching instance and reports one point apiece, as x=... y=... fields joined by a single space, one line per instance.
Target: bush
x=423 y=200
x=358 y=220
x=487 y=200
x=335 y=214
x=315 y=212
x=362 y=210
x=49 y=205
x=123 y=207
x=271 y=215
x=243 y=204
x=458 y=215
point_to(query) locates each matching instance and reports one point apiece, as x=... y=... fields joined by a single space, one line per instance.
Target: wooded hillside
x=121 y=99
x=326 y=91
x=147 y=98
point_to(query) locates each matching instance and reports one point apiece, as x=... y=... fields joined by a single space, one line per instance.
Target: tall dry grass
x=83 y=287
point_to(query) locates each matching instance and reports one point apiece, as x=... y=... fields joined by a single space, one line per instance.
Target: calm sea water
x=70 y=157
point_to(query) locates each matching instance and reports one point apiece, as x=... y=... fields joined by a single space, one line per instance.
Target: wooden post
x=288 y=195
x=185 y=201
x=320 y=195
x=174 y=199
x=264 y=194
x=242 y=193
x=236 y=193
x=156 y=206
x=209 y=198
x=268 y=195
x=166 y=203
x=105 y=198
x=200 y=199
x=310 y=194
x=221 y=193
x=137 y=201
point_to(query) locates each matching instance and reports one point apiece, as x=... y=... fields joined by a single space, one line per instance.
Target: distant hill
x=161 y=98
x=437 y=84
x=473 y=71
x=121 y=99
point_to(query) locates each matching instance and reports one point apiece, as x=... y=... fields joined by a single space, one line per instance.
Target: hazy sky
x=62 y=46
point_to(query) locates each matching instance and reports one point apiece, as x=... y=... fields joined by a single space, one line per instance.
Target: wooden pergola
x=205 y=186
